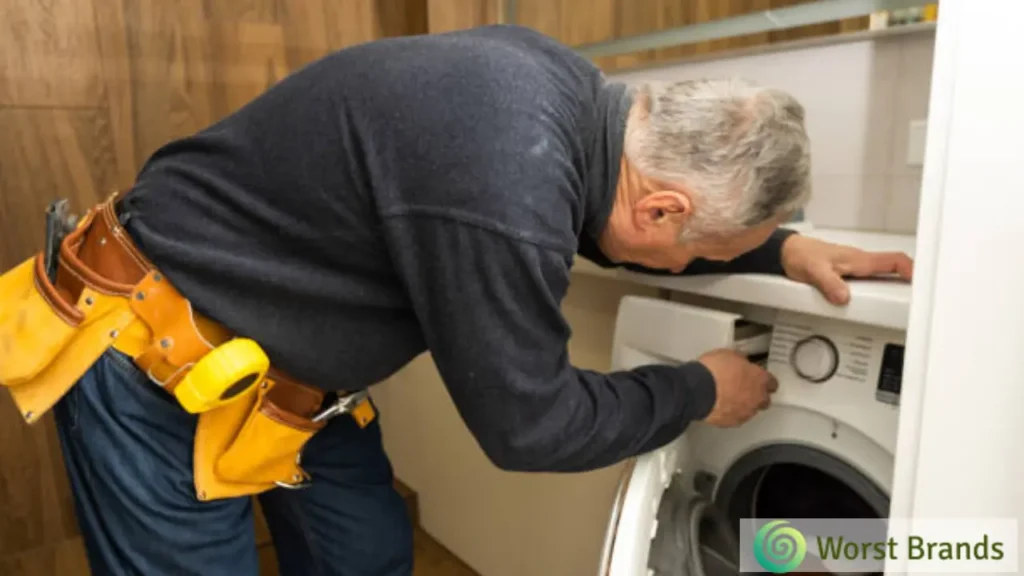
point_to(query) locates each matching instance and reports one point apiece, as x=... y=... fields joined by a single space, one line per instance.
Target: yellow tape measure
x=223 y=375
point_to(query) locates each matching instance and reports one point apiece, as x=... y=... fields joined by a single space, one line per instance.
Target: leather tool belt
x=107 y=294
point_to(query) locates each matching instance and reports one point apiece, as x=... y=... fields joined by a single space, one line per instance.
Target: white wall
x=860 y=98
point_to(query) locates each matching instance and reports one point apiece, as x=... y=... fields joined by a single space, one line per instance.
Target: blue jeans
x=128 y=452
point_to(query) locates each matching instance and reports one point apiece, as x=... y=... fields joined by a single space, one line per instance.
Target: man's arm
x=489 y=308
x=765 y=259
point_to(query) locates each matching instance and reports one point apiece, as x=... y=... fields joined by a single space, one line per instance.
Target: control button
x=815 y=359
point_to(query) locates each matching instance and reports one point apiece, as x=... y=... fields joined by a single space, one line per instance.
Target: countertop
x=880 y=302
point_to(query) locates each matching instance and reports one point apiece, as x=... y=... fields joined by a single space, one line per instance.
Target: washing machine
x=823 y=449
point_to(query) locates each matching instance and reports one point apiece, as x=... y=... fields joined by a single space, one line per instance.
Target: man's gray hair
x=741 y=149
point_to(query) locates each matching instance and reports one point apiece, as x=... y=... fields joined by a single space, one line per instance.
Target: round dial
x=815 y=359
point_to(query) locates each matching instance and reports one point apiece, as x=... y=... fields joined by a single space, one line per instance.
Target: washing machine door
x=650 y=530
x=661 y=526
x=634 y=518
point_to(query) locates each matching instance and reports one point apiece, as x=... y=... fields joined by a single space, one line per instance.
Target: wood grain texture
x=305 y=31
x=576 y=22
x=171 y=71
x=89 y=89
x=118 y=98
x=429 y=559
x=351 y=22
x=44 y=154
x=402 y=17
x=48 y=53
x=34 y=489
x=266 y=11
x=433 y=559
x=449 y=15
x=66 y=558
x=249 y=58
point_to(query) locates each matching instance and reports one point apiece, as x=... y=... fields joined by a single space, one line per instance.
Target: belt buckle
x=343 y=405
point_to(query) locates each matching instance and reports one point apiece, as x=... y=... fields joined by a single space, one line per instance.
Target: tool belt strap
x=108 y=294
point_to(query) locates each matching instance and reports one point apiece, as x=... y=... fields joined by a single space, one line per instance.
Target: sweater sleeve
x=765 y=259
x=489 y=308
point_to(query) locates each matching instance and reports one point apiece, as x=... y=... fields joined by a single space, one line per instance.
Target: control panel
x=849 y=373
x=826 y=354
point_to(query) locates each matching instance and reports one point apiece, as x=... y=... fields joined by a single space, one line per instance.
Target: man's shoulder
x=522 y=60
x=533 y=197
x=490 y=132
x=495 y=36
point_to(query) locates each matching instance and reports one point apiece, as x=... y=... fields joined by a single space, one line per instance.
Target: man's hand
x=823 y=265
x=742 y=388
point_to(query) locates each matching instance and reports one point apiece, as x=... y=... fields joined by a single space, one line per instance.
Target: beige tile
x=911 y=99
x=881 y=88
x=848 y=201
x=903 y=204
x=831 y=84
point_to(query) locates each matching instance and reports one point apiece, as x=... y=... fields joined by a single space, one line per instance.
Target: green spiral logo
x=779 y=548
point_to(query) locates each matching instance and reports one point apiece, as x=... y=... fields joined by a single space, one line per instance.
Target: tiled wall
x=860 y=99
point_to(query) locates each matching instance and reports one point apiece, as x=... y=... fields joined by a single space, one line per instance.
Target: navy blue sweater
x=424 y=194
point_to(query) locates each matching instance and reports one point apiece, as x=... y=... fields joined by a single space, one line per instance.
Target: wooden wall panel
x=48 y=53
x=88 y=90
x=171 y=70
x=353 y=22
x=305 y=31
x=44 y=154
x=118 y=97
x=66 y=558
x=249 y=58
x=576 y=22
x=266 y=11
x=402 y=17
x=448 y=15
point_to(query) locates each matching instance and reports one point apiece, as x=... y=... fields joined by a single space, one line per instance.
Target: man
x=430 y=193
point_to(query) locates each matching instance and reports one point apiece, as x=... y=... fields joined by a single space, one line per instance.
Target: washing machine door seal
x=634 y=519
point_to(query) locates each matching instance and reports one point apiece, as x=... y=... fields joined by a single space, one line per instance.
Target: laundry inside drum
x=698 y=536
x=694 y=536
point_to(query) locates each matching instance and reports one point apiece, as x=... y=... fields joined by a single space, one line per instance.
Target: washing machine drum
x=689 y=524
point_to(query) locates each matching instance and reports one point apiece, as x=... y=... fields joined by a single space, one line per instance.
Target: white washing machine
x=824 y=449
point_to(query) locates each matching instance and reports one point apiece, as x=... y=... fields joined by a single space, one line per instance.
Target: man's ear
x=661 y=208
x=642 y=103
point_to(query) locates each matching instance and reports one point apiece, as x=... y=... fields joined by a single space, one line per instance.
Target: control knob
x=815 y=359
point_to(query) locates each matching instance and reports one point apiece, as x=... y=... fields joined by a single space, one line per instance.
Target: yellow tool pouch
x=47 y=342
x=107 y=295
x=242 y=447
x=255 y=444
